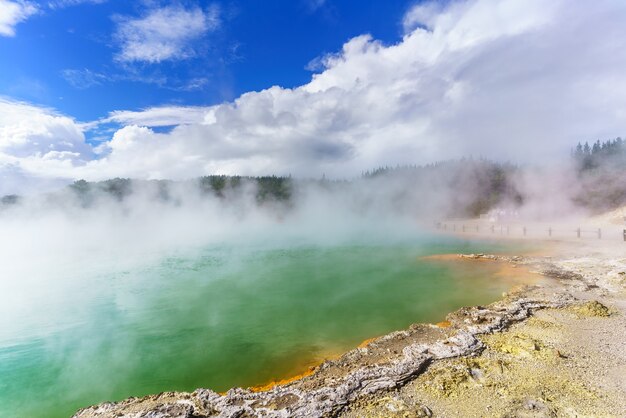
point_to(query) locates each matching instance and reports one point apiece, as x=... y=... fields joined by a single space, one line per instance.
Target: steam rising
x=69 y=255
x=73 y=258
x=511 y=82
x=50 y=242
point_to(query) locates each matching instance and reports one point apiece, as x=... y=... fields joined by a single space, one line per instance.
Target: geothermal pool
x=215 y=316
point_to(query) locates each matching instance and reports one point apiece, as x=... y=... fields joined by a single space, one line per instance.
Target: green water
x=224 y=316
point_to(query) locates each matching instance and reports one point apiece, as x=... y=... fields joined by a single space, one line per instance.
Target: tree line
x=606 y=154
x=472 y=186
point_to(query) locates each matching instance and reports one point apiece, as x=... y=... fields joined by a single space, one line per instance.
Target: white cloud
x=197 y=83
x=314 y=5
x=27 y=130
x=164 y=33
x=37 y=146
x=422 y=14
x=521 y=80
x=12 y=13
x=84 y=78
x=59 y=4
x=159 y=116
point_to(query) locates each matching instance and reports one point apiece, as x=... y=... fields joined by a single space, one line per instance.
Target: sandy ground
x=554 y=348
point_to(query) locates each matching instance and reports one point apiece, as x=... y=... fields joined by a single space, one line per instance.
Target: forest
x=456 y=188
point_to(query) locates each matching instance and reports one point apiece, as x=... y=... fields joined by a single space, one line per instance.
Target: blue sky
x=65 y=56
x=157 y=89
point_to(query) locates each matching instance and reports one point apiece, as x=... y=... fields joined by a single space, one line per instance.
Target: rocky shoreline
x=372 y=380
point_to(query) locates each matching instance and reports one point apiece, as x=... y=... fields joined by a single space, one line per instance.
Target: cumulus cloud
x=12 y=13
x=27 y=130
x=516 y=80
x=519 y=80
x=37 y=146
x=165 y=33
x=422 y=14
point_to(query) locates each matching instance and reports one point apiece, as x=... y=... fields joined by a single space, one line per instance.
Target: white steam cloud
x=59 y=247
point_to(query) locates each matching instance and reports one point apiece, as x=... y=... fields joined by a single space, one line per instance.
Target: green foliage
x=8 y=200
x=117 y=187
x=476 y=185
x=87 y=192
x=601 y=174
x=80 y=187
x=268 y=188
x=213 y=184
x=83 y=192
x=600 y=154
x=470 y=186
x=273 y=188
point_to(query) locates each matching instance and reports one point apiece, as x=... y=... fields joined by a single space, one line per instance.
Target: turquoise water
x=223 y=316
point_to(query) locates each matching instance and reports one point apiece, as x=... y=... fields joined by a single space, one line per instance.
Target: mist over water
x=126 y=298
